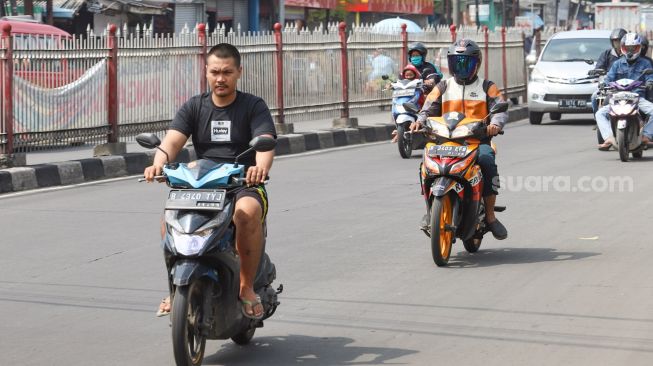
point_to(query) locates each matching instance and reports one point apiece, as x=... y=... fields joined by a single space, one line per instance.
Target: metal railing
x=110 y=87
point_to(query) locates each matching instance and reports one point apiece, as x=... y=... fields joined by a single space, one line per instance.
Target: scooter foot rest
x=499 y=208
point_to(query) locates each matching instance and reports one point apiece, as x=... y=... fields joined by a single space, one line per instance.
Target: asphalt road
x=81 y=270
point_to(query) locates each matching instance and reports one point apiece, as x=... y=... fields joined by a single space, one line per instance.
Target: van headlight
x=537 y=76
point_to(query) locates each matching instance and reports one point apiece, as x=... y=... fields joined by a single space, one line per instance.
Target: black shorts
x=258 y=193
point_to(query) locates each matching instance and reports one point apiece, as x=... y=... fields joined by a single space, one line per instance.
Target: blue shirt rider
x=629 y=66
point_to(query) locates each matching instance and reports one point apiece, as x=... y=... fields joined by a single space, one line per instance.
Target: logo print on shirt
x=220 y=131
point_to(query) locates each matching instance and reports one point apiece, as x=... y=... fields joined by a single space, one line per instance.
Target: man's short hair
x=225 y=50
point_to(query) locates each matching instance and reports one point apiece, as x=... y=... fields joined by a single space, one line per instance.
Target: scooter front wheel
x=187 y=314
x=622 y=141
x=442 y=234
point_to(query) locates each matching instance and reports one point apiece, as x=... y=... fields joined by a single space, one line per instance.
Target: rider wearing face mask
x=417 y=57
x=472 y=96
x=629 y=66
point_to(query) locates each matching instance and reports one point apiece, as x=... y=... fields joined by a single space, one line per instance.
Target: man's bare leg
x=249 y=243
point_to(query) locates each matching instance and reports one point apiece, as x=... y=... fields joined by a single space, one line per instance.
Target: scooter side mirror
x=385 y=77
x=263 y=143
x=596 y=72
x=148 y=140
x=411 y=107
x=499 y=108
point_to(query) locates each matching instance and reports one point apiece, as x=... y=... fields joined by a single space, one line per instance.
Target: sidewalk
x=77 y=165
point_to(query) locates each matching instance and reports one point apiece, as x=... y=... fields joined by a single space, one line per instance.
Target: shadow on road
x=303 y=350
x=504 y=256
x=570 y=122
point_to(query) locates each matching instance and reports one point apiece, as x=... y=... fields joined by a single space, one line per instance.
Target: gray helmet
x=615 y=39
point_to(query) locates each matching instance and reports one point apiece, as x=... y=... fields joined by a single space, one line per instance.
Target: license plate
x=403 y=93
x=572 y=103
x=447 y=150
x=195 y=199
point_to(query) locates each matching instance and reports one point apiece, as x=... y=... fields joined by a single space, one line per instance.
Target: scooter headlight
x=190 y=244
x=622 y=108
x=439 y=129
x=461 y=132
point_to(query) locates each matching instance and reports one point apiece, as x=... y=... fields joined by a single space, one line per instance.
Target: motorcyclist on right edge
x=472 y=96
x=607 y=58
x=629 y=66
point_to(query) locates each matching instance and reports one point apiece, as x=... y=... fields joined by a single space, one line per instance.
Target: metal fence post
x=486 y=38
x=8 y=69
x=452 y=28
x=504 y=62
x=344 y=70
x=201 y=37
x=344 y=121
x=404 y=44
x=112 y=70
x=281 y=126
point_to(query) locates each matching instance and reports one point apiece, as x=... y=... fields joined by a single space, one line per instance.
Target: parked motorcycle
x=452 y=182
x=625 y=118
x=200 y=255
x=402 y=92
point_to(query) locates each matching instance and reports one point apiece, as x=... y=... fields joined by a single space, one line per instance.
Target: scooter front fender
x=441 y=186
x=186 y=271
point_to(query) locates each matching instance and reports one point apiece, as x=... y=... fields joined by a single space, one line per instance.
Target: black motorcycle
x=200 y=254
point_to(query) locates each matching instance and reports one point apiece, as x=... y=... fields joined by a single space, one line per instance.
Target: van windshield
x=578 y=49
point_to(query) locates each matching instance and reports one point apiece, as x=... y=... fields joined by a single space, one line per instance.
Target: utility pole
x=557 y=18
x=478 y=22
x=282 y=13
x=29 y=7
x=503 y=13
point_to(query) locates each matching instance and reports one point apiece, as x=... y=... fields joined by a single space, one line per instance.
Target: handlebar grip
x=156 y=177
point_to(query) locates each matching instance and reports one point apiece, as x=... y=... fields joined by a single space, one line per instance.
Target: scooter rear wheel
x=441 y=233
x=405 y=144
x=187 y=316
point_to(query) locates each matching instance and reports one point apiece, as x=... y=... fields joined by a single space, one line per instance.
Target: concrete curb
x=105 y=167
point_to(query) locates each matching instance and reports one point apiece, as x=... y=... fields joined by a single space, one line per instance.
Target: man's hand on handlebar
x=493 y=130
x=256 y=175
x=151 y=172
x=415 y=126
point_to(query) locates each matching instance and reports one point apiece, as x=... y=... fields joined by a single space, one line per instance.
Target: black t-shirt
x=220 y=134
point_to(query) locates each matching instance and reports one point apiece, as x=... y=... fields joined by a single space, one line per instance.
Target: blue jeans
x=603 y=121
x=487 y=161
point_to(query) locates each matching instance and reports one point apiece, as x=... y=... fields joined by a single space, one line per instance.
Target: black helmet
x=419 y=48
x=615 y=39
x=464 y=59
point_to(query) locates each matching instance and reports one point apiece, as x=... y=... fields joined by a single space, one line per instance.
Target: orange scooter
x=452 y=182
